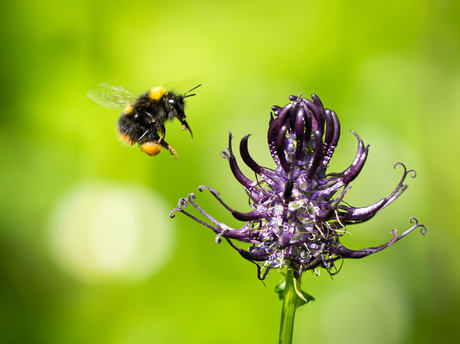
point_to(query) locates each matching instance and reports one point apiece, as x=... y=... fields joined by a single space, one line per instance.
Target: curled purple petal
x=298 y=211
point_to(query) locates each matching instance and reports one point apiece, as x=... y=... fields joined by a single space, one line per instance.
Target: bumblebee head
x=176 y=104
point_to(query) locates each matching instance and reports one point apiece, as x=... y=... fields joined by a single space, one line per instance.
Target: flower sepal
x=302 y=298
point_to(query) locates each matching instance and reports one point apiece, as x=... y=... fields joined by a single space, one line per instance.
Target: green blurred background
x=87 y=251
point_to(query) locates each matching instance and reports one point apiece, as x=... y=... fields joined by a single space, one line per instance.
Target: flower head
x=299 y=214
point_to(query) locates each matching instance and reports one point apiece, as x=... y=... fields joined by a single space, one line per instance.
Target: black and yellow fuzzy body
x=142 y=120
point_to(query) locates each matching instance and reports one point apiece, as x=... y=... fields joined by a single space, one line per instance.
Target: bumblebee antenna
x=190 y=95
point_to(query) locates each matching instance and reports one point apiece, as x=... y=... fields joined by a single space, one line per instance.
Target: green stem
x=288 y=311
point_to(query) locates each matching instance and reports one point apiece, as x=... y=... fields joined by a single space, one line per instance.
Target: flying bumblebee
x=142 y=120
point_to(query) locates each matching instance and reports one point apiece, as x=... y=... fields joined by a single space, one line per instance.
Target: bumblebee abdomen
x=129 y=110
x=129 y=131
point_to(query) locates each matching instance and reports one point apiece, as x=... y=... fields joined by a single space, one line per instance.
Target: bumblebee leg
x=162 y=133
x=161 y=130
x=149 y=142
x=166 y=145
x=150 y=148
x=186 y=127
x=146 y=132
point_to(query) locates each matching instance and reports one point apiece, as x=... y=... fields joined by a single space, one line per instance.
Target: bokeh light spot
x=107 y=232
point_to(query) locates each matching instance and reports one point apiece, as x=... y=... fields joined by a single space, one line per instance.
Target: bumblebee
x=142 y=120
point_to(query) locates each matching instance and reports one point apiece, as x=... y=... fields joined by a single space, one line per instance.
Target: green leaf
x=279 y=289
x=302 y=298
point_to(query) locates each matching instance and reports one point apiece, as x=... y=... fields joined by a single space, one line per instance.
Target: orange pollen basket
x=151 y=148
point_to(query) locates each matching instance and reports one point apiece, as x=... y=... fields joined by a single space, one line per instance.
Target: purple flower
x=299 y=214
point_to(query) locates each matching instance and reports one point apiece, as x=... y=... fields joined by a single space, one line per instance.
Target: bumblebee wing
x=111 y=96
